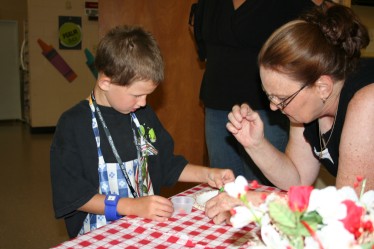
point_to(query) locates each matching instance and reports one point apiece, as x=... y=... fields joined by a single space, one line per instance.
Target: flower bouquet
x=307 y=218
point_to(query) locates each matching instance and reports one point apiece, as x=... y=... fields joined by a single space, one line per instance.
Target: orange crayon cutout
x=57 y=61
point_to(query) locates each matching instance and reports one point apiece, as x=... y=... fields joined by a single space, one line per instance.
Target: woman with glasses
x=232 y=33
x=311 y=71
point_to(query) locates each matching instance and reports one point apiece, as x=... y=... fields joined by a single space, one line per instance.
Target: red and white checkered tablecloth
x=194 y=230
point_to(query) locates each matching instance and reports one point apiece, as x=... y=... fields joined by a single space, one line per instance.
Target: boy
x=110 y=154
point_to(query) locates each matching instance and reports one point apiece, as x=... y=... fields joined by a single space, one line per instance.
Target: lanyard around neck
x=115 y=152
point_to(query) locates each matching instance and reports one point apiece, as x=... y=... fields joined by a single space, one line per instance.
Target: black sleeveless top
x=233 y=39
x=363 y=76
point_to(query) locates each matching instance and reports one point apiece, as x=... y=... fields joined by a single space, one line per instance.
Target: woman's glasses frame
x=282 y=104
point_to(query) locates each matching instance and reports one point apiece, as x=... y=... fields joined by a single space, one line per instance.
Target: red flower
x=298 y=197
x=254 y=184
x=368 y=226
x=232 y=212
x=355 y=184
x=352 y=222
x=359 y=178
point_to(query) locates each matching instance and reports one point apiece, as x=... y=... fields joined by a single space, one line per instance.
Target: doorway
x=10 y=85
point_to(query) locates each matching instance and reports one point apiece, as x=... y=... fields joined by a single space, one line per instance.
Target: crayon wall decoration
x=91 y=62
x=57 y=61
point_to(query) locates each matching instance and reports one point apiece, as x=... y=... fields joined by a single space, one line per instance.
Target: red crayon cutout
x=60 y=64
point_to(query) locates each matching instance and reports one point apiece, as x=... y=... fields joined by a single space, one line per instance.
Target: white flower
x=328 y=233
x=270 y=235
x=347 y=193
x=367 y=201
x=243 y=215
x=237 y=188
x=332 y=236
x=328 y=202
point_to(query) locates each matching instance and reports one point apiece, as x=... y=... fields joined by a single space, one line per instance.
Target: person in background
x=232 y=33
x=311 y=71
x=110 y=154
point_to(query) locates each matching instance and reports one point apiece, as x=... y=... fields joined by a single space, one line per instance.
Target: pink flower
x=298 y=197
x=352 y=222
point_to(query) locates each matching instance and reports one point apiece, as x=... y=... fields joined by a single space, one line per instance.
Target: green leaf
x=303 y=231
x=152 y=135
x=289 y=231
x=142 y=130
x=297 y=242
x=243 y=198
x=312 y=217
x=144 y=189
x=282 y=215
x=144 y=167
x=368 y=245
x=144 y=172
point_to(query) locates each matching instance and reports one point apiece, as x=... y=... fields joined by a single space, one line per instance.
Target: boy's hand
x=153 y=207
x=217 y=178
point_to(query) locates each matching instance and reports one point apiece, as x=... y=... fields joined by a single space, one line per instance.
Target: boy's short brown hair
x=129 y=53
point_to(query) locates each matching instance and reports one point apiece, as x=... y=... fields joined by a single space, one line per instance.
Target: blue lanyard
x=115 y=152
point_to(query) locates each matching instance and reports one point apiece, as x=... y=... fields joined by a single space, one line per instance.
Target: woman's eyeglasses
x=282 y=103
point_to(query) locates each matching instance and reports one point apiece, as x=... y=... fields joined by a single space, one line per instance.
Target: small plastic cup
x=182 y=204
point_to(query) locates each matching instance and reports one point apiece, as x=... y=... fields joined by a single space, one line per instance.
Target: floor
x=27 y=219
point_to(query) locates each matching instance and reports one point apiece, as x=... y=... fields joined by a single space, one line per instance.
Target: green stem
x=312 y=233
x=363 y=187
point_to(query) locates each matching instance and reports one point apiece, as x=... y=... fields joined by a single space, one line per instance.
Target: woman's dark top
x=362 y=77
x=233 y=39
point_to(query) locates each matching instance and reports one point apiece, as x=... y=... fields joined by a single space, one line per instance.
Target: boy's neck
x=100 y=97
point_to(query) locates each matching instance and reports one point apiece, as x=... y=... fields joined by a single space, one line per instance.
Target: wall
x=366 y=14
x=176 y=100
x=10 y=92
x=49 y=92
x=14 y=10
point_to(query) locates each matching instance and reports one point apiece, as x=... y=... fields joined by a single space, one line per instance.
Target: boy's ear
x=103 y=81
x=325 y=86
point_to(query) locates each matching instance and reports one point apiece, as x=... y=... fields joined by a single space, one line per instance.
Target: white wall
x=50 y=93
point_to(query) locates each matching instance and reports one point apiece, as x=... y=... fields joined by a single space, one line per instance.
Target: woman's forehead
x=276 y=82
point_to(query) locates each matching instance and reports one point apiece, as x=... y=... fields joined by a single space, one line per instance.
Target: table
x=194 y=230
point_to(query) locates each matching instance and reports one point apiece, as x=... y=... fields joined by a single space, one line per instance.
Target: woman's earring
x=324 y=100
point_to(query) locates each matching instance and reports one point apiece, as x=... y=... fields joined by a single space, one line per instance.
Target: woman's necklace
x=321 y=139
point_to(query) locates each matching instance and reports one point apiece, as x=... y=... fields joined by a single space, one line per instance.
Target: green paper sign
x=70 y=34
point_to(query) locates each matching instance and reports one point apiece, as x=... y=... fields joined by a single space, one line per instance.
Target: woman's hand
x=218 y=208
x=246 y=125
x=217 y=178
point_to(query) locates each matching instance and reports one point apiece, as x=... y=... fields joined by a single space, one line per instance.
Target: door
x=176 y=100
x=10 y=85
